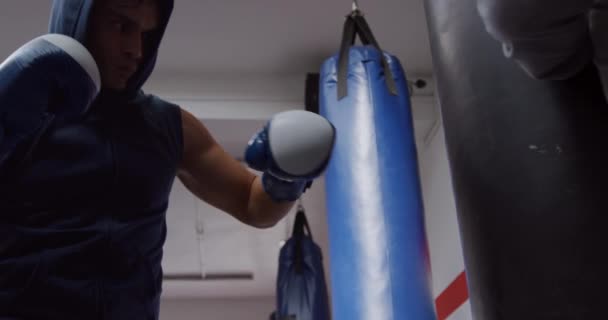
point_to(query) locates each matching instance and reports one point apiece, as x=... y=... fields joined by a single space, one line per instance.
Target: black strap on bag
x=354 y=25
x=301 y=229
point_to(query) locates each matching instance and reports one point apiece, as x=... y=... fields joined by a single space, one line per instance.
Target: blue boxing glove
x=291 y=150
x=52 y=78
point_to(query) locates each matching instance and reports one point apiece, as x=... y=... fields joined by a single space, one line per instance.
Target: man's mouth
x=126 y=72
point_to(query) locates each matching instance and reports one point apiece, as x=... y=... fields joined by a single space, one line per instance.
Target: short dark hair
x=134 y=3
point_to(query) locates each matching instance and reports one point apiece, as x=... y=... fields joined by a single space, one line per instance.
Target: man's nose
x=133 y=46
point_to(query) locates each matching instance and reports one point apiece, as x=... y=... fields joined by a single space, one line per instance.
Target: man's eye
x=117 y=25
x=146 y=36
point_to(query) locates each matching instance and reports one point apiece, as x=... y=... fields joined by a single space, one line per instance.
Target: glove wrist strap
x=281 y=190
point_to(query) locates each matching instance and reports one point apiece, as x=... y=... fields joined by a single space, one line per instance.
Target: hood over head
x=71 y=18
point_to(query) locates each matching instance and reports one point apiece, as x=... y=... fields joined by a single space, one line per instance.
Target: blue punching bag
x=378 y=249
x=301 y=287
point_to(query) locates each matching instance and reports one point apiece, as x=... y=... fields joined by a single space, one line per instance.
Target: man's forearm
x=262 y=211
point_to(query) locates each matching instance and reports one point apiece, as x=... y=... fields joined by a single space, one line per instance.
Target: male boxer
x=87 y=161
x=551 y=39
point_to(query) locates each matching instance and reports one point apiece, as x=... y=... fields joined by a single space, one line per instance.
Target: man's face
x=117 y=37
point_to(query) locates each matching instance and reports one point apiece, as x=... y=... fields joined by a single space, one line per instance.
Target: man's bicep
x=211 y=173
x=196 y=137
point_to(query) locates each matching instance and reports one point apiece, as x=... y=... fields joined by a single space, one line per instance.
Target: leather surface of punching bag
x=529 y=168
x=379 y=258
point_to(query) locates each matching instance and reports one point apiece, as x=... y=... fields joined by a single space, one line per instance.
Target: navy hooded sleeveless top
x=82 y=225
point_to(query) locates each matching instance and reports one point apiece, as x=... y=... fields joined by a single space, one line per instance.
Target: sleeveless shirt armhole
x=169 y=116
x=175 y=129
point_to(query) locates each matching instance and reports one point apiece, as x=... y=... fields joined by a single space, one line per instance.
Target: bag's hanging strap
x=366 y=32
x=355 y=24
x=300 y=229
x=348 y=39
x=300 y=226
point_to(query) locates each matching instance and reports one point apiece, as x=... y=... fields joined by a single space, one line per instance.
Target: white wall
x=442 y=232
x=441 y=220
x=255 y=99
x=217 y=309
x=249 y=308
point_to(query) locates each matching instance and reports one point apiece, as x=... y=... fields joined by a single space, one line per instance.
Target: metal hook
x=355 y=9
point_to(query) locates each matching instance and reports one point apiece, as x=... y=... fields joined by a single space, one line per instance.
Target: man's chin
x=115 y=85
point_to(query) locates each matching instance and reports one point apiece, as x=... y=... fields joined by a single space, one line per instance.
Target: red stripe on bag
x=454 y=296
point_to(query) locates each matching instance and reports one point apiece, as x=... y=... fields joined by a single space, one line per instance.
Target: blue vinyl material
x=379 y=255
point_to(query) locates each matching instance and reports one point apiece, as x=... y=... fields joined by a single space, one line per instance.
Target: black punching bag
x=529 y=162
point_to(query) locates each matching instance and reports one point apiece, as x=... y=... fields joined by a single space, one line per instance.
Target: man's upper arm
x=212 y=174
